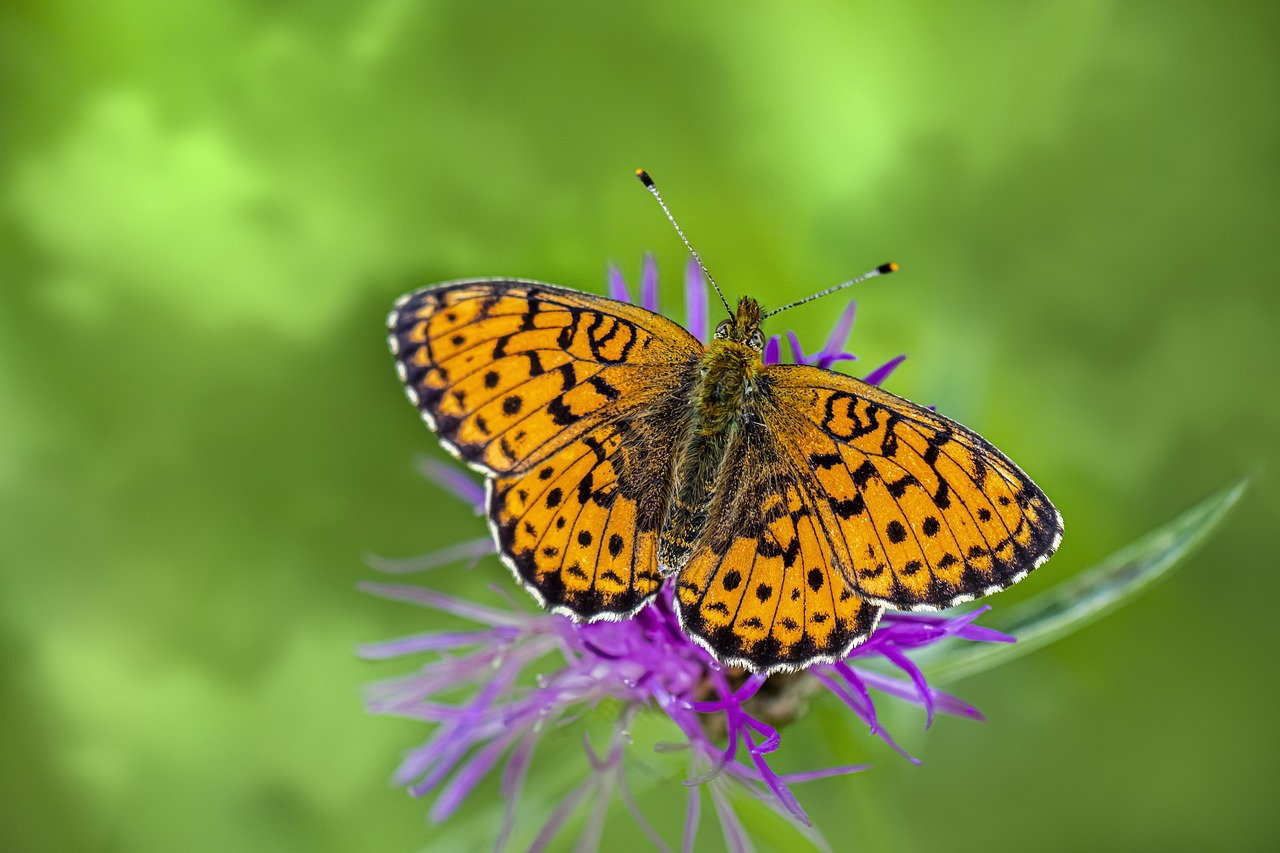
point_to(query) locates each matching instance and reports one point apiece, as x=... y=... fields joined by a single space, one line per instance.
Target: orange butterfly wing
x=841 y=499
x=758 y=590
x=567 y=402
x=922 y=512
x=510 y=371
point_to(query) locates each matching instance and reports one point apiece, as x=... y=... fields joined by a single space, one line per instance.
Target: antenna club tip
x=885 y=269
x=644 y=177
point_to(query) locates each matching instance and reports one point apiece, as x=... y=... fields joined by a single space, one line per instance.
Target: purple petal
x=735 y=836
x=470 y=551
x=715 y=768
x=771 y=737
x=444 y=757
x=750 y=687
x=434 y=641
x=456 y=739
x=439 y=601
x=416 y=762
x=834 y=349
x=773 y=350
x=854 y=693
x=735 y=700
x=629 y=800
x=962 y=626
x=842 y=693
x=649 y=284
x=910 y=633
x=912 y=630
x=618 y=285
x=589 y=837
x=469 y=776
x=810 y=775
x=862 y=705
x=513 y=776
x=983 y=634
x=695 y=300
x=807 y=830
x=560 y=815
x=923 y=618
x=455 y=480
x=597 y=763
x=693 y=811
x=797 y=354
x=881 y=373
x=775 y=784
x=943 y=702
x=913 y=672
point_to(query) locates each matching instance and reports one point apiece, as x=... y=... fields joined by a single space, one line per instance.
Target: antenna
x=649 y=185
x=883 y=269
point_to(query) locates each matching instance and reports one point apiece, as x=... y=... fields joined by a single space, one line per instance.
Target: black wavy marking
x=598 y=338
x=599 y=342
x=860 y=427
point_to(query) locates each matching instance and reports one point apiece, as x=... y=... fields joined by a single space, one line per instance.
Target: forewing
x=762 y=588
x=922 y=513
x=509 y=372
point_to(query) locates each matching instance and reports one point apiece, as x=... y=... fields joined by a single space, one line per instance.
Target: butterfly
x=788 y=504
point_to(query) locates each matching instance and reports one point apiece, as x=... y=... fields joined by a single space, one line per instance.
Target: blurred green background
x=208 y=209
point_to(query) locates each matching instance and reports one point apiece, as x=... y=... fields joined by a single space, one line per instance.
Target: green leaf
x=1071 y=605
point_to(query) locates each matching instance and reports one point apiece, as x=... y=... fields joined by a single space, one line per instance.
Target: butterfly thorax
x=728 y=377
x=730 y=369
x=728 y=372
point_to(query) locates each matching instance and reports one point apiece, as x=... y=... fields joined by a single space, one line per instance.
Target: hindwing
x=762 y=588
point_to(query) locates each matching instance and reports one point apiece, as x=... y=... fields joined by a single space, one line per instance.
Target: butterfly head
x=744 y=326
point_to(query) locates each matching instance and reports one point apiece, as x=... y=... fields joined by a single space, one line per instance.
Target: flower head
x=494 y=691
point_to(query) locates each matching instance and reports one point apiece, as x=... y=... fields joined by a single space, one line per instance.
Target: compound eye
x=756 y=341
x=722 y=330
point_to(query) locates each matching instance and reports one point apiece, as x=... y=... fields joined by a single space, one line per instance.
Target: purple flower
x=493 y=691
